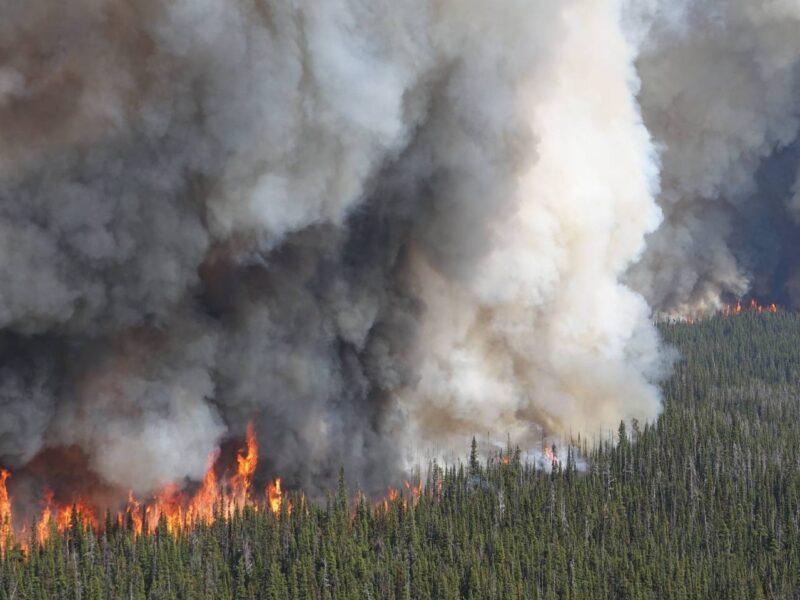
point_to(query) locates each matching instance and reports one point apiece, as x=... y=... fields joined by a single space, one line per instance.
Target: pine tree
x=474 y=465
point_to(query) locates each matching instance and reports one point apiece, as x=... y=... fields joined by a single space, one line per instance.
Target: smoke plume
x=720 y=96
x=372 y=227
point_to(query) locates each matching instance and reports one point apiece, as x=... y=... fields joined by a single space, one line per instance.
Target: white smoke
x=540 y=329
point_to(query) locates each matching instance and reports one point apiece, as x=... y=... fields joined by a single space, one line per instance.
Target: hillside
x=705 y=503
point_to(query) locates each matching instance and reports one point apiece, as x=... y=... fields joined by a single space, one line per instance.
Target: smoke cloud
x=720 y=96
x=372 y=227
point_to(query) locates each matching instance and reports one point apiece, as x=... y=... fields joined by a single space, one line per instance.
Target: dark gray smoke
x=369 y=226
x=720 y=94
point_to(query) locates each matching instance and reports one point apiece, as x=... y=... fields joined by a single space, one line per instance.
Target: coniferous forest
x=704 y=503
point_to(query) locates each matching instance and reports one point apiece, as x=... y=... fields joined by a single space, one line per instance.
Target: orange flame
x=63 y=517
x=78 y=511
x=274 y=496
x=753 y=306
x=391 y=497
x=201 y=508
x=180 y=513
x=169 y=505
x=551 y=456
x=247 y=463
x=415 y=490
x=43 y=526
x=5 y=510
x=134 y=512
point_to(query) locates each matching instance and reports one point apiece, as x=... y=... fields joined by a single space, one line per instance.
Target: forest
x=703 y=503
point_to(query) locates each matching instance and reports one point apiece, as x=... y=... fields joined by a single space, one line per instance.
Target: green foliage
x=704 y=503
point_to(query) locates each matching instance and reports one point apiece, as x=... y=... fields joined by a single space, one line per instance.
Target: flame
x=134 y=512
x=735 y=309
x=391 y=497
x=5 y=510
x=274 y=496
x=414 y=490
x=43 y=526
x=211 y=501
x=247 y=463
x=551 y=456
x=79 y=512
x=202 y=507
x=753 y=306
x=63 y=516
x=176 y=511
x=169 y=505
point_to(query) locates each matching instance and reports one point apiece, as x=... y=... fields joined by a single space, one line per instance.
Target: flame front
x=753 y=306
x=62 y=518
x=169 y=506
x=79 y=512
x=212 y=501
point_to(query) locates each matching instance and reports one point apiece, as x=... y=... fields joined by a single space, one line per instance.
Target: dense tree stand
x=704 y=503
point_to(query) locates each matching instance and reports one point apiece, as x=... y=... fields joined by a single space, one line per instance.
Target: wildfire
x=247 y=463
x=392 y=495
x=62 y=517
x=218 y=497
x=79 y=512
x=43 y=526
x=550 y=456
x=5 y=510
x=752 y=306
x=134 y=512
x=274 y=496
x=415 y=490
x=215 y=498
x=203 y=505
x=170 y=505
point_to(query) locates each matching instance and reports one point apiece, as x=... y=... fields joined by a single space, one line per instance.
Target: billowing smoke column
x=721 y=96
x=370 y=226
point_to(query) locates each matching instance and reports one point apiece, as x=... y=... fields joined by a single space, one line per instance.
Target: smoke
x=371 y=227
x=720 y=96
